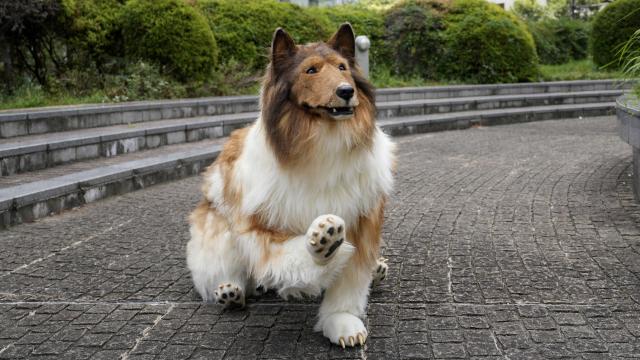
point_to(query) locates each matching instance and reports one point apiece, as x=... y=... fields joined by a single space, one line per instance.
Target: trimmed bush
x=171 y=34
x=559 y=41
x=485 y=44
x=438 y=7
x=364 y=21
x=413 y=40
x=95 y=34
x=612 y=27
x=528 y=10
x=244 y=29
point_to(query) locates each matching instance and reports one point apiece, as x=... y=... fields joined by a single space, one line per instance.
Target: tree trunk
x=7 y=62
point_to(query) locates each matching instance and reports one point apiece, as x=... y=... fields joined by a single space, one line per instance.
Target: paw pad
x=325 y=235
x=380 y=270
x=229 y=294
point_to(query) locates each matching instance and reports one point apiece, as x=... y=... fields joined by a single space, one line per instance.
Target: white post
x=362 y=53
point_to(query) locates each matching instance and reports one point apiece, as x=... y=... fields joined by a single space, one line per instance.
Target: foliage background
x=121 y=50
x=612 y=28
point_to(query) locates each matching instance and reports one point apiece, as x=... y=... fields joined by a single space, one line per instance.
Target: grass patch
x=577 y=70
x=35 y=96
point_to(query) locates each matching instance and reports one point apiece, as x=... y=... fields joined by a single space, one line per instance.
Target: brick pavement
x=509 y=242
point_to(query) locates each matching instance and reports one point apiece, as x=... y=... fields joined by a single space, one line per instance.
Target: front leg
x=306 y=264
x=344 y=306
x=345 y=301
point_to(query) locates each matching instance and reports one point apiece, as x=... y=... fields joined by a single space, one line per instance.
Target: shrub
x=485 y=44
x=244 y=29
x=141 y=81
x=439 y=7
x=528 y=10
x=364 y=21
x=629 y=56
x=94 y=32
x=560 y=40
x=413 y=39
x=171 y=34
x=612 y=27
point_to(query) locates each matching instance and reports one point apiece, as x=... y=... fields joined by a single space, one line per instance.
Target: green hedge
x=129 y=47
x=530 y=10
x=612 y=27
x=485 y=44
x=171 y=34
x=364 y=21
x=95 y=31
x=244 y=29
x=559 y=41
x=413 y=40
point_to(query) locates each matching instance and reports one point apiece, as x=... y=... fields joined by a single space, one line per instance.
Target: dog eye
x=312 y=70
x=342 y=67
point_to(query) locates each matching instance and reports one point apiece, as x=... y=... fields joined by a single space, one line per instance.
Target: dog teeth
x=335 y=110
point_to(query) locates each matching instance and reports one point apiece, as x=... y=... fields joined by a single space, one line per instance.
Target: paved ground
x=505 y=242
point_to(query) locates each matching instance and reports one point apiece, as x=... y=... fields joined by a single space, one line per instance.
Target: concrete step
x=21 y=122
x=464 y=120
x=36 y=152
x=454 y=91
x=393 y=109
x=52 y=172
x=27 y=199
x=43 y=196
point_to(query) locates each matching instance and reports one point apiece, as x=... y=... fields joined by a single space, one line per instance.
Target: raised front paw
x=229 y=294
x=325 y=235
x=380 y=271
x=344 y=329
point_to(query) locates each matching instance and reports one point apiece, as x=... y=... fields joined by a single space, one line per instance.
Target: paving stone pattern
x=508 y=242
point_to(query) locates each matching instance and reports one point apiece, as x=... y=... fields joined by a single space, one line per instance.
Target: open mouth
x=338 y=111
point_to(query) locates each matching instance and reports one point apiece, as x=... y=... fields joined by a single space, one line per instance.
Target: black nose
x=345 y=92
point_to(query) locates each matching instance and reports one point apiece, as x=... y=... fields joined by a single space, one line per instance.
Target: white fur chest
x=345 y=184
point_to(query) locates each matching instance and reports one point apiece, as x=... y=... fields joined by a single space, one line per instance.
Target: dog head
x=317 y=82
x=320 y=74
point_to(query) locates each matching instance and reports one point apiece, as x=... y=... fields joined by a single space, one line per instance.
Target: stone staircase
x=57 y=158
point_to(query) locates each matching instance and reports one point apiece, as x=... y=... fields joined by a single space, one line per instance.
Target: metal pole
x=362 y=54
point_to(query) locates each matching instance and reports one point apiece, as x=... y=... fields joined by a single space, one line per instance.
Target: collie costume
x=295 y=201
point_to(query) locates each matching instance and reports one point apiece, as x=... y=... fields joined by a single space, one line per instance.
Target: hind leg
x=230 y=294
x=218 y=272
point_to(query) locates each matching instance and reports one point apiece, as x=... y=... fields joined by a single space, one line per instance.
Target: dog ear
x=344 y=42
x=282 y=47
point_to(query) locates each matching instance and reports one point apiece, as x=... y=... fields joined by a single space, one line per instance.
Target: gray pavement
x=518 y=242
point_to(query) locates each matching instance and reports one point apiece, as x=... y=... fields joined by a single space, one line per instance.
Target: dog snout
x=345 y=92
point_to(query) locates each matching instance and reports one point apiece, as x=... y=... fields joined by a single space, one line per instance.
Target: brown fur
x=225 y=162
x=366 y=236
x=198 y=217
x=291 y=98
x=206 y=219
